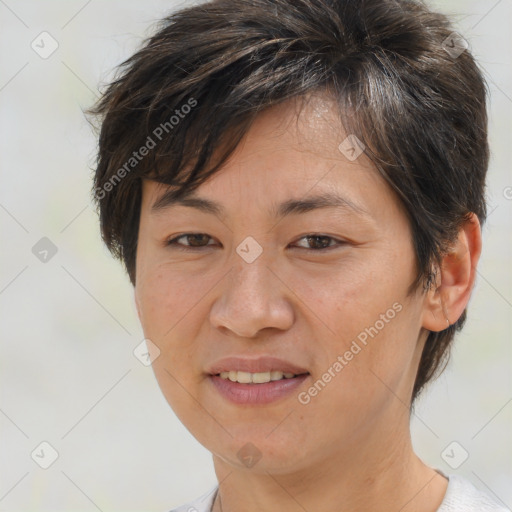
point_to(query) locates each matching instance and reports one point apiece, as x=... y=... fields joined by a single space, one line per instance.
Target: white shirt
x=461 y=496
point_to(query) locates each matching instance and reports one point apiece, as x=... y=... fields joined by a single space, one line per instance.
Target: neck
x=380 y=473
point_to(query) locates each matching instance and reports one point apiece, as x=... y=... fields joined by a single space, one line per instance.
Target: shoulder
x=202 y=504
x=462 y=496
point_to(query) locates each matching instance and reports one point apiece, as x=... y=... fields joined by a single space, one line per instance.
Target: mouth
x=257 y=377
x=261 y=388
x=252 y=381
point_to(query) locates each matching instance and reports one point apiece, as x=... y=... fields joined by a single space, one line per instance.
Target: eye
x=197 y=239
x=321 y=242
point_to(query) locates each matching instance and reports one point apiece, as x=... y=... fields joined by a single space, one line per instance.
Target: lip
x=253 y=394
x=256 y=365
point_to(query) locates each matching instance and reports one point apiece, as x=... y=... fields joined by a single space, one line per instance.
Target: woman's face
x=323 y=289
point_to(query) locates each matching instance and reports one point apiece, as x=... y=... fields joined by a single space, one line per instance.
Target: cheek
x=170 y=306
x=373 y=327
x=368 y=377
x=378 y=359
x=356 y=296
x=165 y=298
x=169 y=301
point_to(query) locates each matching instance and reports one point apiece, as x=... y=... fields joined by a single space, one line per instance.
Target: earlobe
x=445 y=302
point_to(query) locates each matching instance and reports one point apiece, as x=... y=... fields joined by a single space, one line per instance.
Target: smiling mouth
x=257 y=378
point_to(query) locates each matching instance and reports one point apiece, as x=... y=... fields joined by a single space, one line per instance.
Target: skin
x=349 y=448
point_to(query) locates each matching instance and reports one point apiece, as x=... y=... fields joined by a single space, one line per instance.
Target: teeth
x=255 y=378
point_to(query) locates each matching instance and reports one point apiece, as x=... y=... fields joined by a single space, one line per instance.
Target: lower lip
x=257 y=393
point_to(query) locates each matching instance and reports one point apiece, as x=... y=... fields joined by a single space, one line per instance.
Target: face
x=323 y=289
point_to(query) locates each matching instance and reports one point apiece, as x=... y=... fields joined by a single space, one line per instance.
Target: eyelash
x=187 y=248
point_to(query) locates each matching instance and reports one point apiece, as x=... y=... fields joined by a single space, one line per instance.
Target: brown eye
x=320 y=242
x=195 y=240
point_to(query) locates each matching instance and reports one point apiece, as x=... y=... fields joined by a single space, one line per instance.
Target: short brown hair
x=419 y=108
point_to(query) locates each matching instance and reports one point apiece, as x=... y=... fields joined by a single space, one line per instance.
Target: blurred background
x=73 y=397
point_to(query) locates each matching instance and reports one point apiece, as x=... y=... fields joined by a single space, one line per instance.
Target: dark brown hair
x=197 y=84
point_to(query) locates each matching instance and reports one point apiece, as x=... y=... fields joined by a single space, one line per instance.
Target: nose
x=252 y=297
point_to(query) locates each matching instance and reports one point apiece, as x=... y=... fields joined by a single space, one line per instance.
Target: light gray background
x=68 y=326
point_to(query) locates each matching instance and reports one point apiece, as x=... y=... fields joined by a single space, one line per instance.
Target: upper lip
x=256 y=365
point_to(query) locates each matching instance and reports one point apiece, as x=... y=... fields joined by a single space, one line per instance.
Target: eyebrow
x=289 y=207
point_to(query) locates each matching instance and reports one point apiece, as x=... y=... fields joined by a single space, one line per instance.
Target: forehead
x=307 y=125
x=292 y=151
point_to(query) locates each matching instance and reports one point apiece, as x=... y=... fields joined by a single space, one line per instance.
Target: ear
x=446 y=301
